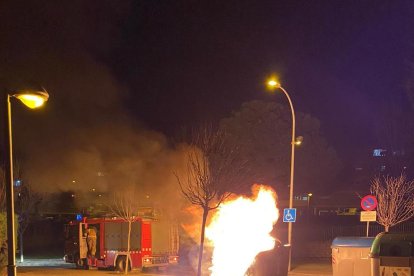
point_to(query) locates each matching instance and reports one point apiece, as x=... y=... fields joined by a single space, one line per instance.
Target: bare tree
x=395 y=200
x=125 y=206
x=213 y=170
x=3 y=223
x=2 y=190
x=27 y=201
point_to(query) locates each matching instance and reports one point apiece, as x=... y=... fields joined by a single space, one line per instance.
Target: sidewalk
x=311 y=268
x=51 y=262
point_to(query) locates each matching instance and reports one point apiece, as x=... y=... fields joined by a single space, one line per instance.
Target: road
x=55 y=271
x=55 y=267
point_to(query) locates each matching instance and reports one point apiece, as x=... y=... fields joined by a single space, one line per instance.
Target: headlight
x=147 y=260
x=173 y=259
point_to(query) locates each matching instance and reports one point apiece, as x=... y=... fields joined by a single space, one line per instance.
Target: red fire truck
x=154 y=243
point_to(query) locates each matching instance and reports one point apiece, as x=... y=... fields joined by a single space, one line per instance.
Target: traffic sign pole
x=369 y=203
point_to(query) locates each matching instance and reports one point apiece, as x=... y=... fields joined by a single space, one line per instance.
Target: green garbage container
x=350 y=256
x=392 y=254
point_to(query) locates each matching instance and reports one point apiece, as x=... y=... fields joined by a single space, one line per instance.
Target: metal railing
x=328 y=233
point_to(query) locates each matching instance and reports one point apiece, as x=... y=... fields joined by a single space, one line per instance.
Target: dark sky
x=172 y=64
x=187 y=61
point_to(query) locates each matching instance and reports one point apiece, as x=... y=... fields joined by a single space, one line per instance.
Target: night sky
x=164 y=65
x=342 y=61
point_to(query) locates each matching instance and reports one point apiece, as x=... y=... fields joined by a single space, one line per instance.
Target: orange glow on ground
x=240 y=230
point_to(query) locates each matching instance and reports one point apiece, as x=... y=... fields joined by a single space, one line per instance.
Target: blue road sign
x=289 y=215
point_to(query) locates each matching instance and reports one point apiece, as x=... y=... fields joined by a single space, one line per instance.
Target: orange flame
x=240 y=230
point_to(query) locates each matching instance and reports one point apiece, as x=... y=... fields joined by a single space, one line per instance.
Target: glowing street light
x=309 y=201
x=273 y=84
x=298 y=140
x=32 y=99
x=309 y=198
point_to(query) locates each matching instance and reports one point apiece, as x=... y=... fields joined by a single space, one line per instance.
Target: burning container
x=392 y=254
x=350 y=256
x=273 y=262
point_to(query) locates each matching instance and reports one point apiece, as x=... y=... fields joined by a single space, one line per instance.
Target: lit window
x=379 y=152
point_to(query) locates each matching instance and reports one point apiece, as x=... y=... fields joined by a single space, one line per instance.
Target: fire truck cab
x=152 y=243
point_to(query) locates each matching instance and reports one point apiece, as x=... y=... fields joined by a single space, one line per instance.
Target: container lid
x=352 y=242
x=385 y=240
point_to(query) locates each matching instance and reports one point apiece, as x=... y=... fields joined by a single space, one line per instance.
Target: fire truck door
x=83 y=248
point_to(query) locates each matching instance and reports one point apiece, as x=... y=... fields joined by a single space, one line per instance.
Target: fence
x=315 y=240
x=331 y=232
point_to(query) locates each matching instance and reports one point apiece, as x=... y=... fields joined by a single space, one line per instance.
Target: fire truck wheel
x=121 y=263
x=80 y=263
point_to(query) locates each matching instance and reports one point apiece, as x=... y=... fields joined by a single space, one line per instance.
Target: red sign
x=369 y=203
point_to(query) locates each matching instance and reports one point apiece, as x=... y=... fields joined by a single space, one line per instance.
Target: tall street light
x=32 y=99
x=309 y=201
x=273 y=84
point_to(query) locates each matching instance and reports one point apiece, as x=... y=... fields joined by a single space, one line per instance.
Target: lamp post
x=273 y=84
x=309 y=201
x=32 y=99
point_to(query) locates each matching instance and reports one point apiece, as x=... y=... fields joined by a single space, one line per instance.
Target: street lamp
x=273 y=84
x=309 y=201
x=32 y=99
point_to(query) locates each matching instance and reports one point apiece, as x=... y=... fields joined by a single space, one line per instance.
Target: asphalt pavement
x=52 y=267
x=57 y=267
x=312 y=268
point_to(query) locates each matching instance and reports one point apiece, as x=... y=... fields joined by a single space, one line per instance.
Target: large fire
x=240 y=230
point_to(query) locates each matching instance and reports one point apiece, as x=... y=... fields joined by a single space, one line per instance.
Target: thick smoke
x=82 y=139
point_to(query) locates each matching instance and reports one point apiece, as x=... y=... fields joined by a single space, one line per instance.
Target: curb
x=308 y=274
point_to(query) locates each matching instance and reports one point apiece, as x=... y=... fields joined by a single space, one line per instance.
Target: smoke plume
x=83 y=139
